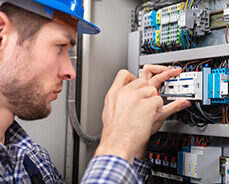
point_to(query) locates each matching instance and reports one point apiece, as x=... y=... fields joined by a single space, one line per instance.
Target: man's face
x=32 y=73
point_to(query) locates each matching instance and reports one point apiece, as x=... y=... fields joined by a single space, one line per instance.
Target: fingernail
x=186 y=104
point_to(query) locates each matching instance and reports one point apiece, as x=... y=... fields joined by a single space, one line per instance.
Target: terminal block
x=187 y=85
x=171 y=27
x=202 y=22
x=187 y=19
x=197 y=20
x=170 y=33
x=149 y=30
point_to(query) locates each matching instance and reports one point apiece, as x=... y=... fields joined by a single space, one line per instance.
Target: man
x=34 y=61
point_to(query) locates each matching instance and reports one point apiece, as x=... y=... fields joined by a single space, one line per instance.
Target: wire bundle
x=188 y=4
x=186 y=40
x=197 y=116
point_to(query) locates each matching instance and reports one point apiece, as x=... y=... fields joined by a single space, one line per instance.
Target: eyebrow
x=72 y=41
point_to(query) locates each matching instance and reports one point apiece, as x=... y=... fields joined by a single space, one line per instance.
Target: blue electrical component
x=153 y=18
x=217 y=85
x=180 y=163
x=181 y=158
x=206 y=86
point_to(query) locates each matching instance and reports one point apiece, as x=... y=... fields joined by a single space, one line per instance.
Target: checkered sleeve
x=143 y=168
x=108 y=169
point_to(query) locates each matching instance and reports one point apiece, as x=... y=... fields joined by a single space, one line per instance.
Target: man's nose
x=67 y=71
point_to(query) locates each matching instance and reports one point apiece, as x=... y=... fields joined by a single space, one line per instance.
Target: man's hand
x=155 y=75
x=132 y=110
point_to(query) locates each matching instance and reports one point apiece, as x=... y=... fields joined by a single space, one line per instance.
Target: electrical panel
x=192 y=35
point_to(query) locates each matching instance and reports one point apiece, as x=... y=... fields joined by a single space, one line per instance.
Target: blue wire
x=193 y=44
x=151 y=44
x=189 y=4
x=183 y=41
x=185 y=44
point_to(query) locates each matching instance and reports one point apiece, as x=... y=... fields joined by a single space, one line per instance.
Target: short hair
x=27 y=23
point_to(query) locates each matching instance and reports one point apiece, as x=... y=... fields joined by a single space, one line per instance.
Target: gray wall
x=108 y=54
x=50 y=133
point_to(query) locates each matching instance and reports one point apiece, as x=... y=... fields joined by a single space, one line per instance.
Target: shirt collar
x=16 y=135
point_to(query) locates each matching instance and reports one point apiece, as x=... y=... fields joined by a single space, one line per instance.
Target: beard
x=26 y=100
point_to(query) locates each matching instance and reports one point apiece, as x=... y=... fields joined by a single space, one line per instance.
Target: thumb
x=174 y=107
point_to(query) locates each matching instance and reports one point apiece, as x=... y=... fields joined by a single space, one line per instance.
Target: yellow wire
x=191 y=4
x=186 y=4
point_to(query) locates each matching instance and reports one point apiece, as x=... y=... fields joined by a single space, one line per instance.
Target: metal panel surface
x=186 y=55
x=217 y=130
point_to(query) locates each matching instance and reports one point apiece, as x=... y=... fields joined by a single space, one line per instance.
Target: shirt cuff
x=110 y=169
x=143 y=168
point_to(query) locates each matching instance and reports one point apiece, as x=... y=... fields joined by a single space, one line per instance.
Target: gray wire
x=196 y=2
x=209 y=118
x=73 y=116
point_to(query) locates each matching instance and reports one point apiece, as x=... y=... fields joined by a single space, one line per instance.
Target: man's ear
x=5 y=29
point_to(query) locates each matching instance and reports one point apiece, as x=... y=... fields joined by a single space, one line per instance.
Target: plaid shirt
x=109 y=169
x=102 y=169
x=12 y=154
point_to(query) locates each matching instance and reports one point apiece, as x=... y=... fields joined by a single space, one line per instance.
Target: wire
x=151 y=44
x=226 y=33
x=196 y=2
x=186 y=4
x=223 y=115
x=187 y=40
x=177 y=63
x=190 y=4
x=185 y=45
x=197 y=68
x=187 y=34
x=206 y=116
x=73 y=115
x=195 y=61
x=227 y=114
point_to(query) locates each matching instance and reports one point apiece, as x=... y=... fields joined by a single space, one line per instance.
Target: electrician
x=35 y=36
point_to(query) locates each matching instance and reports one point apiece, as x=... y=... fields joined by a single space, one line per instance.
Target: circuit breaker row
x=193 y=162
x=208 y=86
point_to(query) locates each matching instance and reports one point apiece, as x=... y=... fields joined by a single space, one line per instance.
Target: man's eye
x=61 y=47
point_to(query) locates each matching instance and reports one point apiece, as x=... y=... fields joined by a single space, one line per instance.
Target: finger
x=122 y=78
x=174 y=107
x=148 y=91
x=136 y=84
x=158 y=79
x=156 y=102
x=150 y=70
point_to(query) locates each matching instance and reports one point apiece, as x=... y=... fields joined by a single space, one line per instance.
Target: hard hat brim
x=84 y=27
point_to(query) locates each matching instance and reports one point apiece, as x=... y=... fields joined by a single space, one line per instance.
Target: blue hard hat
x=47 y=7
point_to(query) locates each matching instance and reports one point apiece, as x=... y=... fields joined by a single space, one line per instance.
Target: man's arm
x=109 y=169
x=132 y=112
